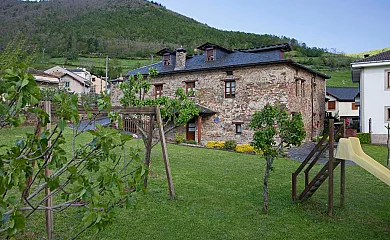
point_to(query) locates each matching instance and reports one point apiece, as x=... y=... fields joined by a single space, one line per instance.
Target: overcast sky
x=346 y=25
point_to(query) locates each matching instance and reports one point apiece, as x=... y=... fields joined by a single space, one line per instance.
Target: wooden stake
x=49 y=201
x=330 y=168
x=148 y=153
x=165 y=153
x=199 y=129
x=342 y=183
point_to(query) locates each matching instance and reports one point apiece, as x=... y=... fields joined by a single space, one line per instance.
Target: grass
x=340 y=78
x=219 y=197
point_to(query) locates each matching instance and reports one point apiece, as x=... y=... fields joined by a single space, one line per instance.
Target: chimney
x=366 y=55
x=181 y=55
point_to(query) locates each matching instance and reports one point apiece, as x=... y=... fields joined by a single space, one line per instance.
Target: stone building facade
x=287 y=83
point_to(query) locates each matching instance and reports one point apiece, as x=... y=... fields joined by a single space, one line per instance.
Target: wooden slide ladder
x=326 y=143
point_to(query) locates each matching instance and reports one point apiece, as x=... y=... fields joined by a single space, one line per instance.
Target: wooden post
x=294 y=187
x=165 y=153
x=330 y=167
x=199 y=129
x=148 y=153
x=342 y=183
x=49 y=201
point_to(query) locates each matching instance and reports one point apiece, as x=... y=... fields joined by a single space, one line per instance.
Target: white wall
x=75 y=86
x=342 y=109
x=374 y=97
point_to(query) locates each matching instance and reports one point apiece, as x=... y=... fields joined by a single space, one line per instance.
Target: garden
x=218 y=196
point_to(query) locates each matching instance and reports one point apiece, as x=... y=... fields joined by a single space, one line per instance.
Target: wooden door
x=190 y=133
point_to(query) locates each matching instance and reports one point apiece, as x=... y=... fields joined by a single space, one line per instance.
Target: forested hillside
x=119 y=28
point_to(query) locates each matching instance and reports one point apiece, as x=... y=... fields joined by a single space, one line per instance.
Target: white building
x=373 y=75
x=340 y=102
x=72 y=81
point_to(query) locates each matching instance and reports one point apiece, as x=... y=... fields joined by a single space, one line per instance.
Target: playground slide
x=350 y=149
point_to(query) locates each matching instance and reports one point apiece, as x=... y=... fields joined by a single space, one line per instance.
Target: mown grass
x=219 y=197
x=340 y=78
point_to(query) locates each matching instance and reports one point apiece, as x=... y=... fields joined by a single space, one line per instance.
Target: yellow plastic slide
x=350 y=149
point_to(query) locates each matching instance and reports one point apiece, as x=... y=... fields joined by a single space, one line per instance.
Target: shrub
x=246 y=148
x=230 y=145
x=365 y=138
x=179 y=138
x=215 y=144
x=191 y=142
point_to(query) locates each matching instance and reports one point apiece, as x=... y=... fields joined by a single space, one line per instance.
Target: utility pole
x=151 y=60
x=106 y=68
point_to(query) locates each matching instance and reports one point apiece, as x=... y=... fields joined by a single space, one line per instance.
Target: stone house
x=229 y=86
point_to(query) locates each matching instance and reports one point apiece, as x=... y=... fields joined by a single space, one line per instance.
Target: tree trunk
x=266 y=175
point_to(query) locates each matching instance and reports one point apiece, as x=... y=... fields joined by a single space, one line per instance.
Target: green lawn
x=340 y=78
x=219 y=197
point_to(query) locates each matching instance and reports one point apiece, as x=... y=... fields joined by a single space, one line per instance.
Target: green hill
x=371 y=52
x=119 y=28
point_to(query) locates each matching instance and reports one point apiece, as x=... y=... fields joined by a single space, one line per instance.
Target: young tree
x=274 y=130
x=91 y=175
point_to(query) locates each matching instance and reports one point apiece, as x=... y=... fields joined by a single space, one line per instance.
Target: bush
x=365 y=138
x=191 y=142
x=215 y=144
x=179 y=138
x=230 y=145
x=246 y=148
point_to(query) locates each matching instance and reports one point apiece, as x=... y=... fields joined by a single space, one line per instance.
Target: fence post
x=149 y=148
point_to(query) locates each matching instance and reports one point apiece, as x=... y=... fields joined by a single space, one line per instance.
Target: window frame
x=334 y=106
x=166 y=59
x=230 y=93
x=93 y=89
x=238 y=128
x=354 y=107
x=158 y=90
x=210 y=57
x=67 y=84
x=193 y=88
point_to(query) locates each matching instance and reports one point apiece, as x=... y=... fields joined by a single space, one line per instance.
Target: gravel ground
x=300 y=153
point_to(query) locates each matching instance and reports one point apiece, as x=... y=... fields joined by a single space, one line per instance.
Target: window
x=67 y=84
x=229 y=73
x=210 y=54
x=297 y=88
x=93 y=89
x=230 y=89
x=93 y=79
x=354 y=107
x=303 y=88
x=190 y=88
x=238 y=128
x=331 y=105
x=387 y=114
x=167 y=59
x=158 y=90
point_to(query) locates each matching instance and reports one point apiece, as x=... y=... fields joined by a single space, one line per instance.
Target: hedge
x=365 y=138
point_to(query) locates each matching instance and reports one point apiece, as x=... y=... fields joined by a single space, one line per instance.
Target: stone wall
x=255 y=87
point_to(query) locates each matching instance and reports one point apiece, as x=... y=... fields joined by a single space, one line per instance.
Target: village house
x=229 y=86
x=70 y=80
x=45 y=80
x=340 y=103
x=373 y=75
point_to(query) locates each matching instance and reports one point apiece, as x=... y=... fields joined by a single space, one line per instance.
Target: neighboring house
x=70 y=80
x=98 y=84
x=340 y=101
x=45 y=79
x=231 y=85
x=373 y=75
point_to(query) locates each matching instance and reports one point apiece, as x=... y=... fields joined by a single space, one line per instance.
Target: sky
x=344 y=25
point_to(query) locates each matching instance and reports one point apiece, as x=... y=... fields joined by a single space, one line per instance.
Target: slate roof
x=237 y=58
x=383 y=56
x=343 y=94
